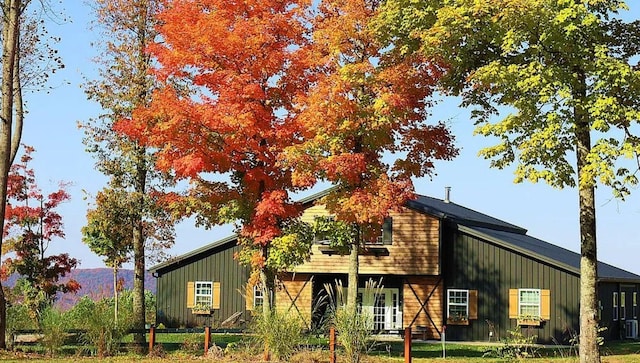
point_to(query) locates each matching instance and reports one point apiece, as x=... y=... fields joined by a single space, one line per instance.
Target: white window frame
x=528 y=304
x=451 y=294
x=623 y=306
x=203 y=295
x=258 y=297
x=635 y=305
x=615 y=306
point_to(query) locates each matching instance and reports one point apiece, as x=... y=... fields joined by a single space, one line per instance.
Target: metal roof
x=468 y=221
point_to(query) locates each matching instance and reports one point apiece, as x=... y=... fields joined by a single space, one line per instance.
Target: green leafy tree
x=560 y=75
x=109 y=232
x=123 y=84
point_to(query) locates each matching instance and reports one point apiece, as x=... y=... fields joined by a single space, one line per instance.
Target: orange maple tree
x=223 y=115
x=364 y=121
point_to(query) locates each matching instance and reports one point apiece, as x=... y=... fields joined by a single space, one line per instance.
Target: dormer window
x=386 y=232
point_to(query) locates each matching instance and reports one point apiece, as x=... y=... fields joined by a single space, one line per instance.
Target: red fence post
x=152 y=337
x=332 y=345
x=207 y=339
x=407 y=345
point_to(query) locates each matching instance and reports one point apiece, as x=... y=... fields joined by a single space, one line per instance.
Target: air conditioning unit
x=631 y=329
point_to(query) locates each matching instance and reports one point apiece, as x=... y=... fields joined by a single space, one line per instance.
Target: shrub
x=54 y=325
x=101 y=333
x=516 y=346
x=193 y=343
x=18 y=318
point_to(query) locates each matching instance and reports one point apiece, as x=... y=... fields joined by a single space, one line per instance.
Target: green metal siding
x=218 y=265
x=475 y=264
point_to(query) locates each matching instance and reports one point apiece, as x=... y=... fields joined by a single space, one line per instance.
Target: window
x=386 y=232
x=599 y=309
x=623 y=309
x=635 y=305
x=529 y=302
x=457 y=305
x=615 y=306
x=530 y=306
x=258 y=297
x=204 y=293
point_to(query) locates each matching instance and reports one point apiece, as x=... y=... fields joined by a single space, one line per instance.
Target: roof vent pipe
x=447 y=193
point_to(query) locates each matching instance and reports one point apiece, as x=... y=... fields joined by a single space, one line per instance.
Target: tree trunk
x=268 y=285
x=138 y=248
x=115 y=294
x=589 y=352
x=10 y=38
x=352 y=284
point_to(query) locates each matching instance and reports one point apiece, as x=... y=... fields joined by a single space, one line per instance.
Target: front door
x=383 y=305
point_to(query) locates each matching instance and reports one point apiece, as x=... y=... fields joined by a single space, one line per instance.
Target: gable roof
x=468 y=221
x=512 y=237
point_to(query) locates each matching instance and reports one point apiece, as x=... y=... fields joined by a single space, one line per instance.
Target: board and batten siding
x=492 y=270
x=414 y=249
x=217 y=266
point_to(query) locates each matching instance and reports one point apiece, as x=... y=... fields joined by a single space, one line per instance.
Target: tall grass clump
x=355 y=330
x=280 y=331
x=102 y=335
x=55 y=326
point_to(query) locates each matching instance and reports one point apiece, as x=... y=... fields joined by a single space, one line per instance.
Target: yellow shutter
x=191 y=294
x=513 y=303
x=473 y=304
x=248 y=297
x=216 y=296
x=545 y=304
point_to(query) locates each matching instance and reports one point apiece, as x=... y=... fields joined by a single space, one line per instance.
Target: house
x=440 y=265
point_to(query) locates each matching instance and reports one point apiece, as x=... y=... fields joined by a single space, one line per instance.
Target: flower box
x=451 y=321
x=529 y=322
x=201 y=311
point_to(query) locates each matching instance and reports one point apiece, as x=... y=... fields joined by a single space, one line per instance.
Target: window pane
x=529 y=302
x=457 y=304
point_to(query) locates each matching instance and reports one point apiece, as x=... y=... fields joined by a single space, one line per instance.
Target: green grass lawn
x=187 y=347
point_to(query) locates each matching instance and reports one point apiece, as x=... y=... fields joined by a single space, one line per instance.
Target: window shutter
x=513 y=303
x=387 y=231
x=473 y=304
x=545 y=304
x=191 y=294
x=216 y=296
x=248 y=298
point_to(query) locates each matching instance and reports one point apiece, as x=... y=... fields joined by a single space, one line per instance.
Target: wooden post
x=152 y=337
x=332 y=345
x=407 y=345
x=207 y=339
x=266 y=356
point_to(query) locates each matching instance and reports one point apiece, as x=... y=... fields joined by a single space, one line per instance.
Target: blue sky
x=548 y=214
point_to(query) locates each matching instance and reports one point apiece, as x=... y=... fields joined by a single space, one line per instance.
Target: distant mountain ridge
x=97 y=283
